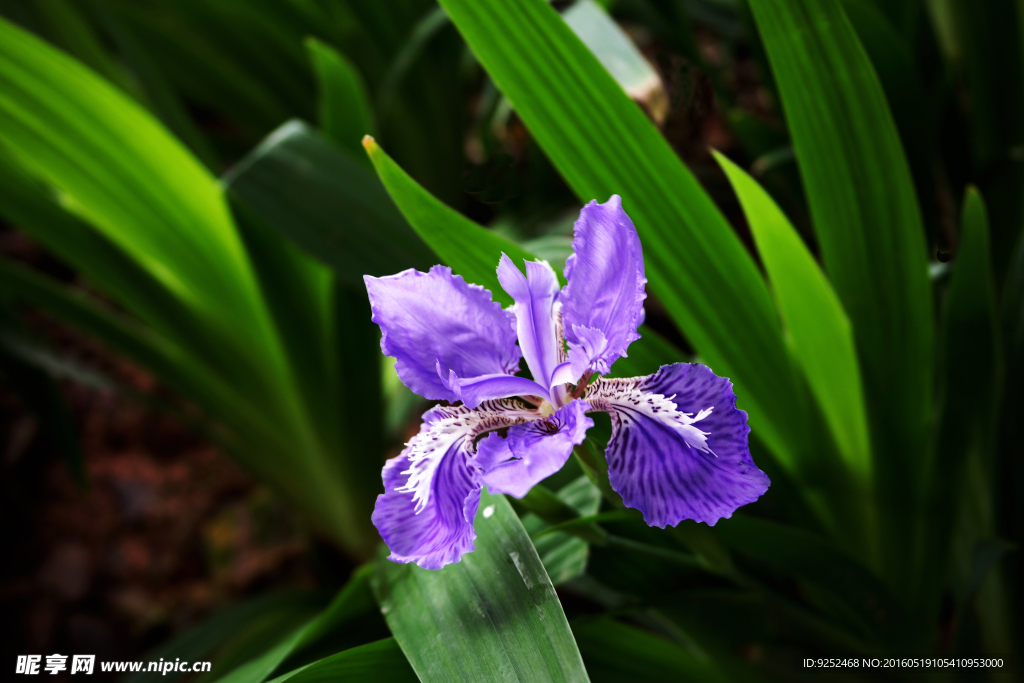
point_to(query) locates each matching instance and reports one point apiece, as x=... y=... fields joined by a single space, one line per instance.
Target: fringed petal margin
x=678 y=448
x=603 y=302
x=432 y=489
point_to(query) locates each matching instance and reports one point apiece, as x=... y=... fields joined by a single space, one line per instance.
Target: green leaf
x=469 y=249
x=564 y=555
x=254 y=77
x=917 y=112
x=973 y=374
x=379 y=662
x=256 y=670
x=868 y=225
x=818 y=328
x=327 y=203
x=412 y=47
x=345 y=114
x=336 y=627
x=63 y=23
x=602 y=144
x=865 y=601
x=493 y=616
x=157 y=92
x=32 y=206
x=352 y=618
x=200 y=642
x=119 y=170
x=990 y=42
x=333 y=351
x=617 y=652
x=116 y=168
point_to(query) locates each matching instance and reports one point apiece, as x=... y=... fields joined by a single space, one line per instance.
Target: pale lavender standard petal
x=436 y=319
x=679 y=445
x=533 y=451
x=534 y=297
x=602 y=304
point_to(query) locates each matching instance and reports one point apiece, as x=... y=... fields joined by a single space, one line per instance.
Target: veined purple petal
x=533 y=451
x=432 y=489
x=602 y=304
x=534 y=297
x=442 y=532
x=476 y=390
x=437 y=319
x=679 y=445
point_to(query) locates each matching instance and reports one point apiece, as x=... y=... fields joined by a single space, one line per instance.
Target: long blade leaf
x=493 y=616
x=602 y=144
x=818 y=328
x=328 y=203
x=869 y=227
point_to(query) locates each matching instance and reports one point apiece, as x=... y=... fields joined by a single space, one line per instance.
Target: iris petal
x=476 y=390
x=436 y=319
x=679 y=445
x=431 y=490
x=533 y=451
x=443 y=530
x=602 y=304
x=536 y=323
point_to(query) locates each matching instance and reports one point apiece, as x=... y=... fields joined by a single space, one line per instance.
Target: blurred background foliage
x=829 y=194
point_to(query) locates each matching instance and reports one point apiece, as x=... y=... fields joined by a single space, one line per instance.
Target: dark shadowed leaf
x=973 y=373
x=327 y=203
x=867 y=604
x=345 y=113
x=379 y=662
x=614 y=652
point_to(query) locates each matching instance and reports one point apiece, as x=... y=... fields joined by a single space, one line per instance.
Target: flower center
x=546 y=409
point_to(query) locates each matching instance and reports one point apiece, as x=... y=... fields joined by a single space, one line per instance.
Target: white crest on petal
x=626 y=398
x=450 y=426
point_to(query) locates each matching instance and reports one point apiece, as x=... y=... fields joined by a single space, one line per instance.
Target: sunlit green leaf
x=125 y=175
x=818 y=328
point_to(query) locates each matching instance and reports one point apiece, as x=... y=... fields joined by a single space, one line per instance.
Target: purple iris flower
x=678 y=448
